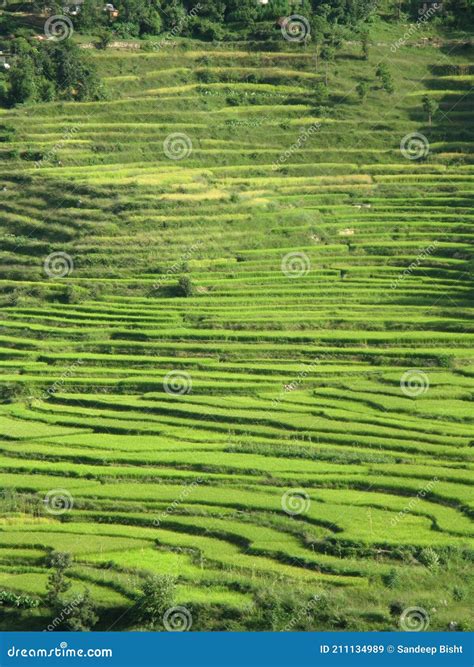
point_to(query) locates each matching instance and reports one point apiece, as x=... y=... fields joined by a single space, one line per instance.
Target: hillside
x=235 y=336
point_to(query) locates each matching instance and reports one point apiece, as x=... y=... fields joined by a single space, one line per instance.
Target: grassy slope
x=295 y=380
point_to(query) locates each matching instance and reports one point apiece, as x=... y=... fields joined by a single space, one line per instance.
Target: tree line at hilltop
x=42 y=71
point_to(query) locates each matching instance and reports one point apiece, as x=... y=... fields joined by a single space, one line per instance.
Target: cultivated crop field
x=235 y=340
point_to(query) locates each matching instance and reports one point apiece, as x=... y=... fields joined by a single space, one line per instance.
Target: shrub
x=185 y=287
x=391 y=579
x=157 y=596
x=429 y=558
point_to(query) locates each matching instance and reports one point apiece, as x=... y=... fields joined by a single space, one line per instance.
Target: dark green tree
x=141 y=16
x=57 y=584
x=386 y=79
x=321 y=93
x=23 y=80
x=430 y=107
x=83 y=615
x=328 y=54
x=241 y=11
x=365 y=44
x=362 y=89
x=157 y=596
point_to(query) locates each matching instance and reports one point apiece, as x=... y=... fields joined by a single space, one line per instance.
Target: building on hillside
x=111 y=11
x=433 y=6
x=73 y=8
x=4 y=61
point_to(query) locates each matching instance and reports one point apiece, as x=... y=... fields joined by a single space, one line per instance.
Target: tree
x=348 y=12
x=91 y=16
x=104 y=37
x=82 y=617
x=157 y=596
x=57 y=584
x=141 y=17
x=430 y=107
x=328 y=54
x=362 y=89
x=241 y=11
x=386 y=80
x=185 y=286
x=74 y=73
x=22 y=79
x=365 y=44
x=321 y=93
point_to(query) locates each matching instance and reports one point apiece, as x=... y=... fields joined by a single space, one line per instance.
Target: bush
x=429 y=558
x=185 y=287
x=391 y=579
x=75 y=294
x=157 y=596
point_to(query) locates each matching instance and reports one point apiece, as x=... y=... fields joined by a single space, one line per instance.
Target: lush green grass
x=296 y=379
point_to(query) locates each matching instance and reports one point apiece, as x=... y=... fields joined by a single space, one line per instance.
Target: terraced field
x=249 y=366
